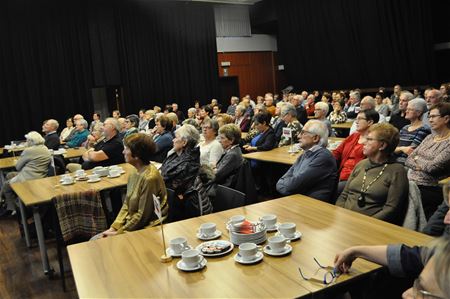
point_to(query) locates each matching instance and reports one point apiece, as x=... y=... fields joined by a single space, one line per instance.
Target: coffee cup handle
x=259 y=247
x=201 y=259
x=288 y=241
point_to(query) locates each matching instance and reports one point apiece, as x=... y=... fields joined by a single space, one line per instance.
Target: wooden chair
x=77 y=217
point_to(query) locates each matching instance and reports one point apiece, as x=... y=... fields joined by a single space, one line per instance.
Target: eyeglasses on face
x=373 y=139
x=434 y=115
x=420 y=293
x=330 y=275
x=360 y=118
x=302 y=132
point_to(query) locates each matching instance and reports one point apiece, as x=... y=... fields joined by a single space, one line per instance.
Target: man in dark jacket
x=314 y=173
x=51 y=136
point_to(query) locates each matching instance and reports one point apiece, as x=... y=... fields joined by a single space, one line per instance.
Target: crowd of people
x=394 y=142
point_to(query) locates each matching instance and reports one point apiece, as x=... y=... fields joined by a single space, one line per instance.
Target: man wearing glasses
x=314 y=173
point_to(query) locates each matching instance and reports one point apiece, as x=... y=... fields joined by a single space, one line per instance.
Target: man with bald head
x=108 y=151
x=51 y=138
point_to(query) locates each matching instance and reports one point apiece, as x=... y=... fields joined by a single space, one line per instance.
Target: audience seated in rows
x=314 y=173
x=430 y=161
x=378 y=186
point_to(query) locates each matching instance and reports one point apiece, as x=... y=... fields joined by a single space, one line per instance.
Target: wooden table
x=281 y=154
x=347 y=125
x=10 y=162
x=128 y=265
x=34 y=193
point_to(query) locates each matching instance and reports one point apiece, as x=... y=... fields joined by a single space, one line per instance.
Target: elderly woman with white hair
x=411 y=136
x=33 y=164
x=210 y=148
x=289 y=115
x=179 y=171
x=321 y=112
x=314 y=173
x=80 y=135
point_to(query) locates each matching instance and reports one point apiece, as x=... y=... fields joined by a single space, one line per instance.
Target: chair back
x=227 y=198
x=415 y=216
x=245 y=183
x=80 y=215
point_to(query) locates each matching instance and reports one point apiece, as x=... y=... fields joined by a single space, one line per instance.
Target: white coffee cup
x=191 y=258
x=208 y=229
x=114 y=172
x=67 y=179
x=287 y=229
x=277 y=243
x=80 y=173
x=269 y=220
x=248 y=251
x=178 y=245
x=236 y=219
x=102 y=171
x=93 y=177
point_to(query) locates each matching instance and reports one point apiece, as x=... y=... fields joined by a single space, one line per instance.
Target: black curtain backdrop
x=53 y=52
x=45 y=64
x=336 y=44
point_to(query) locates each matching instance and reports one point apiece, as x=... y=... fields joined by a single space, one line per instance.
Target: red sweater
x=348 y=154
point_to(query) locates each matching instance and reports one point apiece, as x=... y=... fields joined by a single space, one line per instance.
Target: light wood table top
x=10 y=162
x=281 y=154
x=128 y=265
x=40 y=191
x=347 y=125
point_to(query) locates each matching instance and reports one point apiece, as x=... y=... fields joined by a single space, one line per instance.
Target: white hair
x=320 y=129
x=322 y=106
x=34 y=138
x=189 y=134
x=369 y=100
x=288 y=108
x=115 y=123
x=54 y=123
x=82 y=122
x=419 y=105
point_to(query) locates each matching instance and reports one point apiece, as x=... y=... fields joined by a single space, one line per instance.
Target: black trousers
x=432 y=197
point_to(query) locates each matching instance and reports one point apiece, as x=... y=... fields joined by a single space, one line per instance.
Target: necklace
x=436 y=138
x=364 y=189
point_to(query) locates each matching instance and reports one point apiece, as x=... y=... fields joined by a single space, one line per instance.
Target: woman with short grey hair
x=412 y=135
x=33 y=164
x=80 y=135
x=180 y=170
x=289 y=115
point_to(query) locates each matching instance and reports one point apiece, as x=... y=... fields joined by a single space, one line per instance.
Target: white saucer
x=169 y=251
x=94 y=181
x=182 y=266
x=258 y=257
x=273 y=228
x=217 y=234
x=287 y=249
x=112 y=177
x=66 y=184
x=296 y=236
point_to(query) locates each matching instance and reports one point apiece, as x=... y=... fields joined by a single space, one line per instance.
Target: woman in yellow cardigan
x=138 y=210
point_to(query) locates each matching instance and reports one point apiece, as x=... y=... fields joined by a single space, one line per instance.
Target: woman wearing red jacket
x=350 y=151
